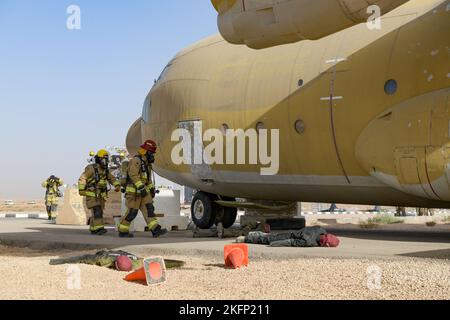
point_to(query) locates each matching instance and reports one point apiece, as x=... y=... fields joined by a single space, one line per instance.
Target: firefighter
x=52 y=194
x=93 y=184
x=140 y=192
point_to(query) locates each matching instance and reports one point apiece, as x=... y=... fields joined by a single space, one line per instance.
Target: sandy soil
x=27 y=275
x=23 y=206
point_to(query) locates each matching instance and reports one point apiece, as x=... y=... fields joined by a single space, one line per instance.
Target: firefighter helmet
x=150 y=146
x=102 y=154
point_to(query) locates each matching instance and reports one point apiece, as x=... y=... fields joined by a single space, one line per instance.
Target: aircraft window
x=300 y=126
x=223 y=128
x=164 y=72
x=391 y=87
x=260 y=126
x=386 y=117
x=146 y=109
x=300 y=82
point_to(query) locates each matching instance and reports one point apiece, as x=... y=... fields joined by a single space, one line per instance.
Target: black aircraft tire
x=229 y=217
x=203 y=210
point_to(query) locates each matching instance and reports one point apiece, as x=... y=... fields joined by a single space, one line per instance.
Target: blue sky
x=66 y=92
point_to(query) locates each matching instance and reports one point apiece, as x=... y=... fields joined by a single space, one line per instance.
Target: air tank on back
x=267 y=23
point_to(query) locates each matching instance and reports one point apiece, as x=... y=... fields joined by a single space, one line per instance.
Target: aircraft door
x=335 y=68
x=199 y=168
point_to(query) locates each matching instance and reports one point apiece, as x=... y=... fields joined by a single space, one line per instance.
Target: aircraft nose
x=134 y=137
x=136 y=134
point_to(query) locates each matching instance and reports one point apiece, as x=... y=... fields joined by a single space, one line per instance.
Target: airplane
x=362 y=113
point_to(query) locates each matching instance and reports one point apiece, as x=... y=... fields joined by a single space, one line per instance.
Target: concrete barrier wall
x=72 y=208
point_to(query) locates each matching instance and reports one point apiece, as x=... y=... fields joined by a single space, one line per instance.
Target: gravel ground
x=27 y=275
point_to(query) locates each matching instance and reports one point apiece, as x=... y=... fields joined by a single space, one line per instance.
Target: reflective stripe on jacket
x=139 y=174
x=94 y=181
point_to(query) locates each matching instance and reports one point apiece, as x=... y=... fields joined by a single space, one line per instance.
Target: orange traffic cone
x=153 y=272
x=236 y=255
x=138 y=275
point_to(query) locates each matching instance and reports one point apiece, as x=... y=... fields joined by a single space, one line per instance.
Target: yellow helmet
x=102 y=154
x=92 y=153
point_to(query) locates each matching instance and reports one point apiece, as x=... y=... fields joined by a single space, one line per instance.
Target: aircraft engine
x=267 y=23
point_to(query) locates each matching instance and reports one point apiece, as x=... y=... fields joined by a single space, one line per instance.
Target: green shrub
x=431 y=223
x=386 y=219
x=368 y=224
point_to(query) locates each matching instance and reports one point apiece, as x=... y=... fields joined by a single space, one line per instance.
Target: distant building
x=9 y=203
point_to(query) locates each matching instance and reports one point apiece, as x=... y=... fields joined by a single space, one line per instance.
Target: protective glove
x=82 y=193
x=153 y=192
x=143 y=192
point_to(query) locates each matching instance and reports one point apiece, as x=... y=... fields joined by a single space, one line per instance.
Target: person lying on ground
x=307 y=237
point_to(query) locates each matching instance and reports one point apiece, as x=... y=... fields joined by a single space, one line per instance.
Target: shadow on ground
x=51 y=239
x=403 y=233
x=433 y=254
x=39 y=238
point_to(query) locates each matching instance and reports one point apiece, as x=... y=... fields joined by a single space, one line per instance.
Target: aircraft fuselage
x=363 y=115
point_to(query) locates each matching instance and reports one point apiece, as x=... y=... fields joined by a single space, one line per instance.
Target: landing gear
x=206 y=212
x=229 y=217
x=226 y=216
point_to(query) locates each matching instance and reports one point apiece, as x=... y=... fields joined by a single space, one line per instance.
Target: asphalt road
x=387 y=242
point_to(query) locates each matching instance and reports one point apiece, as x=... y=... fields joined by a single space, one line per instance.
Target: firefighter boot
x=158 y=232
x=126 y=235
x=99 y=232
